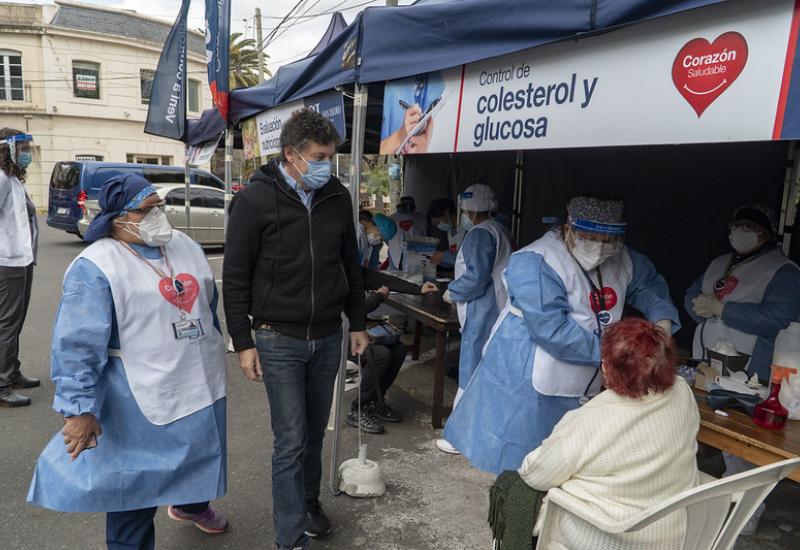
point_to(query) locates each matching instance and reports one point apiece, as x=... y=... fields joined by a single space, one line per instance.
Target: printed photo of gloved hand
x=708 y=306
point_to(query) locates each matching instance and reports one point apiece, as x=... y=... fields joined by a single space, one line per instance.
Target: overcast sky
x=301 y=36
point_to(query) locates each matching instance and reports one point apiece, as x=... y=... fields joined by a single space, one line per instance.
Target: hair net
x=478 y=197
x=385 y=225
x=118 y=195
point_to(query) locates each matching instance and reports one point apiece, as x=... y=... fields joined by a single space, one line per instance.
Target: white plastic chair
x=711 y=523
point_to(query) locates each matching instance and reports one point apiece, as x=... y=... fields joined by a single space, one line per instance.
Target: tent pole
x=187 y=201
x=228 y=176
x=356 y=153
x=791 y=188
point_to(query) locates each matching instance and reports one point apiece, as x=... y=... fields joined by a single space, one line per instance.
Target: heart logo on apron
x=189 y=287
x=702 y=71
x=406 y=225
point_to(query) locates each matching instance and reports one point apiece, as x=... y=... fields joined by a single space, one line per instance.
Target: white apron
x=170 y=378
x=552 y=376
x=747 y=284
x=502 y=253
x=16 y=245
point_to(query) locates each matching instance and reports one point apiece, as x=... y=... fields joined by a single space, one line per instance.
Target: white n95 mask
x=590 y=254
x=743 y=240
x=154 y=229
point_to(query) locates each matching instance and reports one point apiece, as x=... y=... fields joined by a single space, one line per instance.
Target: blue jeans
x=299 y=376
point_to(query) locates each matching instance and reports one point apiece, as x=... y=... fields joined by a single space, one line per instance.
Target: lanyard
x=176 y=284
x=600 y=297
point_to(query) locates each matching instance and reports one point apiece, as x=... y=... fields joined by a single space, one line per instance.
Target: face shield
x=19 y=149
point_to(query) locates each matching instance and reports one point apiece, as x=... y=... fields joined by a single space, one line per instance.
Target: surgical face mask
x=373 y=239
x=443 y=226
x=590 y=254
x=466 y=223
x=24 y=160
x=318 y=173
x=154 y=229
x=743 y=240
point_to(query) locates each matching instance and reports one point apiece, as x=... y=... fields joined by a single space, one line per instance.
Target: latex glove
x=707 y=305
x=429 y=288
x=446 y=296
x=665 y=325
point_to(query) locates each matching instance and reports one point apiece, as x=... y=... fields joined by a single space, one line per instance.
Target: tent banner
x=218 y=39
x=166 y=114
x=261 y=134
x=718 y=74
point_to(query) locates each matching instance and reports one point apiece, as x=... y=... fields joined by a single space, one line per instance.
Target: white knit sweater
x=621 y=456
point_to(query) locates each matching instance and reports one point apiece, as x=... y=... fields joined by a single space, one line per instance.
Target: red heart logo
x=406 y=225
x=702 y=71
x=727 y=288
x=609 y=299
x=191 y=290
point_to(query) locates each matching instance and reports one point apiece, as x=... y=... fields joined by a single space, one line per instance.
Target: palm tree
x=244 y=62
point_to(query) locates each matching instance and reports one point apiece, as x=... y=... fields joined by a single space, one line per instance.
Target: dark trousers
x=299 y=376
x=15 y=295
x=134 y=529
x=379 y=369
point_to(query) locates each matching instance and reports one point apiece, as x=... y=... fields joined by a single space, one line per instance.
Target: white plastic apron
x=16 y=252
x=554 y=377
x=170 y=378
x=746 y=284
x=502 y=253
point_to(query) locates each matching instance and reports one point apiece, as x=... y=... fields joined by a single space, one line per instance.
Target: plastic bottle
x=787 y=347
x=770 y=413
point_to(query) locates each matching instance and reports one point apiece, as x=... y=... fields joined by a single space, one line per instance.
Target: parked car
x=207 y=206
x=75 y=182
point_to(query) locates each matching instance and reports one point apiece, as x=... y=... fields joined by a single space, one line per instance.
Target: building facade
x=78 y=77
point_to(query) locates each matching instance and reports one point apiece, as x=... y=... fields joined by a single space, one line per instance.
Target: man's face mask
x=318 y=173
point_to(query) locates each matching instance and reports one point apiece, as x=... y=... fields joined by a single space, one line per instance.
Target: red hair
x=638 y=357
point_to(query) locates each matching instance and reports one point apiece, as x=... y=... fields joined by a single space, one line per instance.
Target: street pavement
x=434 y=501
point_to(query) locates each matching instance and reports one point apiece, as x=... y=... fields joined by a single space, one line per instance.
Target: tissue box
x=727 y=364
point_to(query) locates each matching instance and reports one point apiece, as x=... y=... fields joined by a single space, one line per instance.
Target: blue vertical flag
x=166 y=115
x=218 y=40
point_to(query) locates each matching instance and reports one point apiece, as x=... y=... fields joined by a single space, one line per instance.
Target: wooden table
x=740 y=436
x=431 y=311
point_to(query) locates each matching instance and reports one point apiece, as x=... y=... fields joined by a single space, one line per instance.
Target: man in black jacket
x=291 y=269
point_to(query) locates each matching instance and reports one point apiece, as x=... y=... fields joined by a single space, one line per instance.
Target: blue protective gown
x=136 y=464
x=779 y=308
x=476 y=289
x=501 y=417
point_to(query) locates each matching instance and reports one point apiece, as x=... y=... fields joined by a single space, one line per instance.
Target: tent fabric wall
x=396 y=42
x=429 y=177
x=678 y=199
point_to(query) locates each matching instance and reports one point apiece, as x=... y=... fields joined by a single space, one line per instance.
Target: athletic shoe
x=208 y=521
x=384 y=412
x=317 y=523
x=369 y=423
x=445 y=447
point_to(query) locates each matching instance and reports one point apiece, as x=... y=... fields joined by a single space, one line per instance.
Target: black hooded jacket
x=292 y=268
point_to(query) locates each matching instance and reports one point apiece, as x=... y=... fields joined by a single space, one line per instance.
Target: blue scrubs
x=136 y=464
x=500 y=417
x=475 y=288
x=779 y=308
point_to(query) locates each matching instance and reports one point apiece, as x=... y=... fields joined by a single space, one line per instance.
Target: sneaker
x=445 y=447
x=369 y=423
x=384 y=412
x=317 y=523
x=208 y=521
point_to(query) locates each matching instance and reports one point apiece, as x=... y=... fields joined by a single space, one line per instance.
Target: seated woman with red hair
x=629 y=448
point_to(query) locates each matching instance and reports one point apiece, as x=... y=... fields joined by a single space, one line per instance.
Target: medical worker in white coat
x=478 y=290
x=138 y=365
x=543 y=356
x=746 y=297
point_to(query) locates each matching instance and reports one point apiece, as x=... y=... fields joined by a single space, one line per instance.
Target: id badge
x=191 y=329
